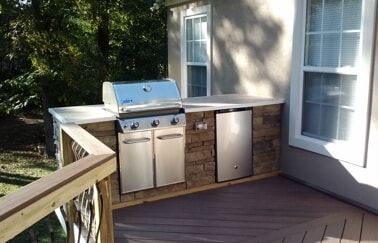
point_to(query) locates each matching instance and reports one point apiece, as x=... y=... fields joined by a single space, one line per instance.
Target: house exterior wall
x=174 y=49
x=251 y=51
x=174 y=37
x=251 y=47
x=250 y=42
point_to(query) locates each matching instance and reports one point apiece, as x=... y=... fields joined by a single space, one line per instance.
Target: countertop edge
x=86 y=121
x=191 y=107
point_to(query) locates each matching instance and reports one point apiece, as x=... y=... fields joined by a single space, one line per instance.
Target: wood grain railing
x=91 y=171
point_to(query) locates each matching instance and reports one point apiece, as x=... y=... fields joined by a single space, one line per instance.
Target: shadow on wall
x=251 y=51
x=332 y=176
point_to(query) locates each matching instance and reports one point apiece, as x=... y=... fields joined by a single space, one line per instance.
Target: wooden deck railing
x=82 y=172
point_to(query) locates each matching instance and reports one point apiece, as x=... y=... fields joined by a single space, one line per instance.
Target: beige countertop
x=97 y=113
x=227 y=101
x=82 y=114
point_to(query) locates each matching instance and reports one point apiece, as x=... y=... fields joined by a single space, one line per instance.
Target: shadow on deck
x=269 y=210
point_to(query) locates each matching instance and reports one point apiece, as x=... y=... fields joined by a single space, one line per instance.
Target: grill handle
x=170 y=136
x=150 y=107
x=136 y=140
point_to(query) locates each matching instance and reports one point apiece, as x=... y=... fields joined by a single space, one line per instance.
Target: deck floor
x=269 y=210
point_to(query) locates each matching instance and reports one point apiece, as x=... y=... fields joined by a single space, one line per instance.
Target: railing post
x=67 y=158
x=106 y=226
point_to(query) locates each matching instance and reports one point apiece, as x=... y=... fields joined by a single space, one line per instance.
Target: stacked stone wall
x=200 y=149
x=266 y=138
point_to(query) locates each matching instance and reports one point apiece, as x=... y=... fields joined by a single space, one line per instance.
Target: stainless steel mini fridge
x=233 y=144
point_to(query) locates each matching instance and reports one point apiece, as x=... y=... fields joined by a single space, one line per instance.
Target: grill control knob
x=175 y=120
x=134 y=125
x=155 y=123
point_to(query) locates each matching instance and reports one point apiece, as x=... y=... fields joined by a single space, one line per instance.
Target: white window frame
x=352 y=152
x=191 y=12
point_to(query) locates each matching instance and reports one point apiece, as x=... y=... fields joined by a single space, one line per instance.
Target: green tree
x=16 y=75
x=64 y=55
x=58 y=52
x=138 y=42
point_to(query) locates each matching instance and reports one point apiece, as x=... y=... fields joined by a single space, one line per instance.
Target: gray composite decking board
x=334 y=231
x=174 y=237
x=352 y=229
x=246 y=206
x=294 y=238
x=238 y=213
x=243 y=218
x=209 y=230
x=334 y=227
x=314 y=235
x=370 y=228
x=352 y=226
x=203 y=222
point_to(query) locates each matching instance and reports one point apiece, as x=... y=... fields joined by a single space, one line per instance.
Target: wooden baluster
x=106 y=226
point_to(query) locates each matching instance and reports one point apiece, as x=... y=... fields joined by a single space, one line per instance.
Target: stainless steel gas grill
x=151 y=132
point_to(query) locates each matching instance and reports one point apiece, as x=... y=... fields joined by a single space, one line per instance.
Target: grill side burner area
x=151 y=132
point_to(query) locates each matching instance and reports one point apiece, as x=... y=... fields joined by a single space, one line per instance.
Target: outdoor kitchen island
x=200 y=141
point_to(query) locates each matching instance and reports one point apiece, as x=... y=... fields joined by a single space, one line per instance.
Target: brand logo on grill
x=127 y=101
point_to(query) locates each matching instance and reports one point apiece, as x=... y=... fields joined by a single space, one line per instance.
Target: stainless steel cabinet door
x=234 y=145
x=136 y=161
x=170 y=154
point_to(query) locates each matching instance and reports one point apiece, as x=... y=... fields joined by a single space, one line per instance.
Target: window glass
x=327 y=44
x=329 y=97
x=196 y=55
x=196 y=39
x=332 y=15
x=328 y=105
x=350 y=49
x=330 y=50
x=314 y=16
x=196 y=81
x=352 y=14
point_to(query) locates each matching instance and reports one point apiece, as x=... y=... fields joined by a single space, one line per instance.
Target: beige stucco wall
x=252 y=46
x=252 y=43
x=174 y=56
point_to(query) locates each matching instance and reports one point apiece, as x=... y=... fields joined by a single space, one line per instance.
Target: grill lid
x=152 y=96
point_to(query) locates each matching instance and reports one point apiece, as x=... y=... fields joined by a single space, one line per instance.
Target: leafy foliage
x=58 y=52
x=142 y=54
x=19 y=93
